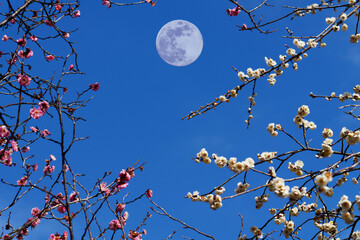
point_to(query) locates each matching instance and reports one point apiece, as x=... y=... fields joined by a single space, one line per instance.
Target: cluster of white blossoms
x=271 y=129
x=279 y=218
x=289 y=228
x=221 y=161
x=307 y=207
x=257 y=232
x=215 y=201
x=222 y=98
x=326 y=149
x=266 y=156
x=259 y=201
x=277 y=185
x=330 y=20
x=296 y=193
x=346 y=95
x=323 y=179
x=250 y=73
x=351 y=137
x=294 y=211
x=299 y=120
x=346 y=210
x=312 y=43
x=298 y=43
x=241 y=187
x=203 y=156
x=355 y=235
x=354 y=38
x=329 y=227
x=240 y=166
x=219 y=191
x=272 y=171
x=297 y=167
x=272 y=79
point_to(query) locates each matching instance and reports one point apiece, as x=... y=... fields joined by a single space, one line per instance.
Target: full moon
x=179 y=43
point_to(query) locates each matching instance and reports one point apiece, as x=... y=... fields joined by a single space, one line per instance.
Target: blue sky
x=137 y=112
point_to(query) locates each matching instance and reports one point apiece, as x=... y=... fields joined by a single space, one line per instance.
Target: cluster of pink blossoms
x=94 y=86
x=57 y=202
x=36 y=113
x=5 y=156
x=134 y=235
x=115 y=224
x=4 y=132
x=27 y=54
x=36 y=215
x=49 y=57
x=58 y=236
x=233 y=12
x=22 y=181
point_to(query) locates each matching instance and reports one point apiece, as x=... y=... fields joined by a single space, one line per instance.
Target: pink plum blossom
x=25 y=149
x=45 y=133
x=23 y=79
x=5 y=156
x=33 y=38
x=35 y=167
x=104 y=189
x=61 y=209
x=6 y=237
x=66 y=35
x=76 y=14
x=71 y=68
x=233 y=12
x=122 y=185
x=44 y=106
x=5 y=38
x=149 y=193
x=106 y=3
x=120 y=207
x=73 y=197
x=33 y=129
x=34 y=223
x=14 y=145
x=8 y=161
x=36 y=113
x=35 y=211
x=48 y=169
x=114 y=225
x=27 y=54
x=50 y=57
x=22 y=181
x=134 y=235
x=244 y=27
x=21 y=41
x=4 y=132
x=48 y=23
x=94 y=86
x=58 y=7
x=124 y=176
